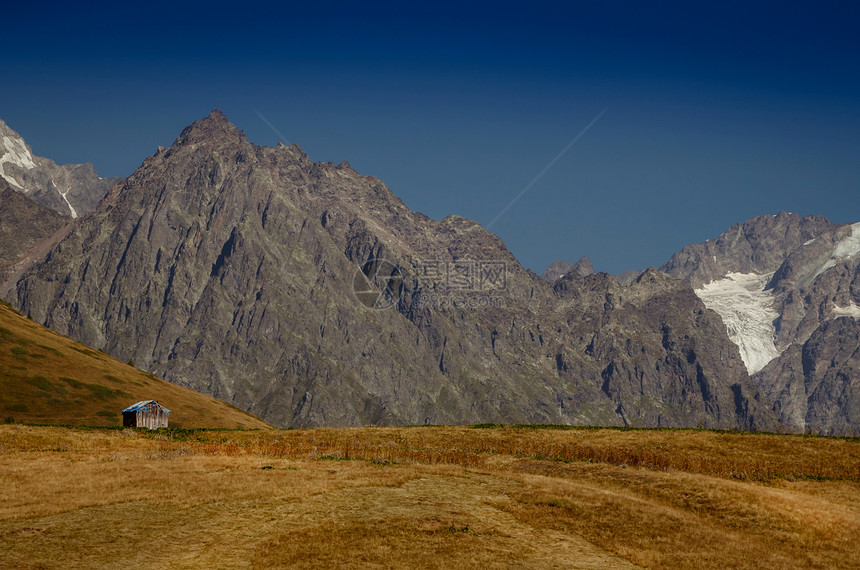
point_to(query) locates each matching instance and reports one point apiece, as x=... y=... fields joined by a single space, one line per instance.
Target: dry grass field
x=432 y=497
x=47 y=378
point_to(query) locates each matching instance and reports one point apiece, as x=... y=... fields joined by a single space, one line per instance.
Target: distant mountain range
x=310 y=295
x=788 y=290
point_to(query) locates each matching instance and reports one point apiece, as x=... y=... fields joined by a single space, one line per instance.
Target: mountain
x=628 y=276
x=71 y=189
x=758 y=246
x=49 y=379
x=310 y=295
x=788 y=289
x=559 y=269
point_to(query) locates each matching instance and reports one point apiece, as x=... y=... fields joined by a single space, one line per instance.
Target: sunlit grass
x=426 y=497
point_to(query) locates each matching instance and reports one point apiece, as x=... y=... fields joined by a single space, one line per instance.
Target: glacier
x=747 y=311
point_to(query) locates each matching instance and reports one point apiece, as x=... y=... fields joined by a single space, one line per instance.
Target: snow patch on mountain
x=65 y=197
x=847 y=247
x=852 y=310
x=15 y=152
x=747 y=311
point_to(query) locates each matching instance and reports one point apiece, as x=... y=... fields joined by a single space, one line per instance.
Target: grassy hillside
x=427 y=497
x=47 y=378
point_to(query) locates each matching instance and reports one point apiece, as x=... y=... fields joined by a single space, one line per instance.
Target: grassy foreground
x=426 y=497
x=47 y=378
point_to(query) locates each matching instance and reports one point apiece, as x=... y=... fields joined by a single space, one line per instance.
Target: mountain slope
x=233 y=269
x=24 y=224
x=47 y=378
x=72 y=190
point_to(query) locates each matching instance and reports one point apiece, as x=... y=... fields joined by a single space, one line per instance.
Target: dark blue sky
x=715 y=114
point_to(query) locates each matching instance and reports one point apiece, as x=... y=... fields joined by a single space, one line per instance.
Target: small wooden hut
x=146 y=413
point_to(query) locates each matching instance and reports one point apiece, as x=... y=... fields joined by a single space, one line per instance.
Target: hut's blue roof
x=143 y=405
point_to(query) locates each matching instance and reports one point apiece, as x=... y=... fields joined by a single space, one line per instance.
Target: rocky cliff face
x=72 y=190
x=664 y=355
x=816 y=384
x=24 y=225
x=779 y=282
x=310 y=295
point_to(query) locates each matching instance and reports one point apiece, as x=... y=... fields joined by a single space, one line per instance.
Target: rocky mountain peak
x=4 y=129
x=72 y=190
x=560 y=268
x=216 y=115
x=213 y=128
x=583 y=266
x=758 y=246
x=7 y=131
x=16 y=157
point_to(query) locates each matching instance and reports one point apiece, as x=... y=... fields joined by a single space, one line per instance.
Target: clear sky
x=715 y=112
